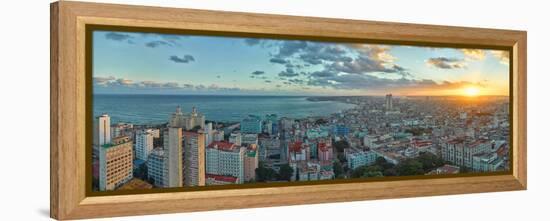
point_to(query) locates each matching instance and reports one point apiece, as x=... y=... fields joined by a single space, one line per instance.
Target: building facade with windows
x=194 y=158
x=144 y=144
x=115 y=163
x=224 y=158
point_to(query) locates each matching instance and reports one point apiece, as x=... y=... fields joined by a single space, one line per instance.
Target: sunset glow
x=471 y=91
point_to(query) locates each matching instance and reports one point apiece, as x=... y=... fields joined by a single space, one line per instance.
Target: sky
x=150 y=63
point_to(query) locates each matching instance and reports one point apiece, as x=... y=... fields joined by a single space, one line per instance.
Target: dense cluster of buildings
x=188 y=151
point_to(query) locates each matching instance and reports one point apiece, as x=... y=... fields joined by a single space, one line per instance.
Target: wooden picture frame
x=69 y=198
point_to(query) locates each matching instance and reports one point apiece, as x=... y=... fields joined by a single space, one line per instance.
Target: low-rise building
x=357 y=158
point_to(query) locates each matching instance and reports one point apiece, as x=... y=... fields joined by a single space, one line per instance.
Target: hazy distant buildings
x=389 y=102
x=252 y=125
x=271 y=124
x=115 y=163
x=122 y=129
x=194 y=158
x=187 y=121
x=224 y=158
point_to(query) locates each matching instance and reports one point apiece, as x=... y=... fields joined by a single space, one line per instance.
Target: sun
x=471 y=91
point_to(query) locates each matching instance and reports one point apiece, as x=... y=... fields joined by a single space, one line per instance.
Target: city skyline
x=291 y=111
x=180 y=64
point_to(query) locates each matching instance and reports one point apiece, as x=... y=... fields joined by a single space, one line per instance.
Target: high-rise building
x=224 y=158
x=173 y=147
x=102 y=130
x=144 y=144
x=156 y=167
x=235 y=138
x=115 y=163
x=187 y=121
x=389 y=102
x=251 y=125
x=194 y=158
x=251 y=162
x=208 y=134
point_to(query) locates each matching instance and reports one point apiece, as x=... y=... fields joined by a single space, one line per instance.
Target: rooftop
x=222 y=145
x=221 y=178
x=136 y=184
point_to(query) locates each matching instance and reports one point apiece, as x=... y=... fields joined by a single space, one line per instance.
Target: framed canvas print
x=161 y=110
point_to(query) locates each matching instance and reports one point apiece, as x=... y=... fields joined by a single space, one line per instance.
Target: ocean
x=157 y=109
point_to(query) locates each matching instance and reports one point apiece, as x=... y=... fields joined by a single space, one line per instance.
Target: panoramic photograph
x=177 y=111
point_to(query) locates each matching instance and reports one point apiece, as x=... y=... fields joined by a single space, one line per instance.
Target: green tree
x=390 y=172
x=141 y=172
x=372 y=174
x=358 y=172
x=410 y=167
x=380 y=161
x=338 y=169
x=341 y=145
x=285 y=172
x=341 y=157
x=264 y=174
x=430 y=161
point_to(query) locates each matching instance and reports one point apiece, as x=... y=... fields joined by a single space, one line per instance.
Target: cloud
x=186 y=59
x=258 y=73
x=289 y=72
x=502 y=56
x=374 y=83
x=125 y=82
x=323 y=74
x=120 y=83
x=103 y=80
x=317 y=54
x=154 y=44
x=296 y=81
x=364 y=64
x=278 y=60
x=473 y=54
x=116 y=36
x=378 y=53
x=446 y=63
x=289 y=48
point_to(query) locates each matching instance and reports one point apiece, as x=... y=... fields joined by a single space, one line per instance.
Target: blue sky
x=148 y=63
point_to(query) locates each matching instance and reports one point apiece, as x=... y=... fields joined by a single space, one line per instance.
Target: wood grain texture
x=68 y=87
